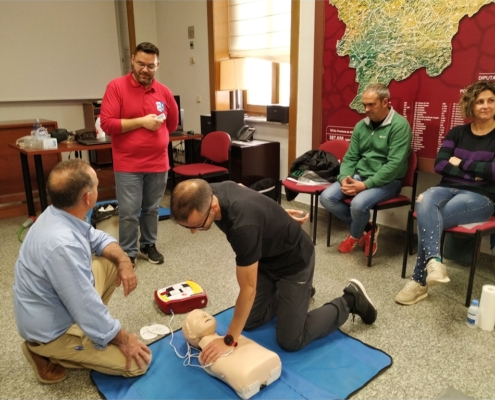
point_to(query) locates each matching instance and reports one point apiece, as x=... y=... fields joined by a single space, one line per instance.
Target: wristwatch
x=228 y=339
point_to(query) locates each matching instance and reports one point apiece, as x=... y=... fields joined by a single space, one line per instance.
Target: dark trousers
x=287 y=298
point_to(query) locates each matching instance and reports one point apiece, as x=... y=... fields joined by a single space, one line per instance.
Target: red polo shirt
x=139 y=150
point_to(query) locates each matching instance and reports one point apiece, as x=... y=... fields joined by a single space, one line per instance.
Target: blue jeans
x=441 y=208
x=358 y=214
x=139 y=195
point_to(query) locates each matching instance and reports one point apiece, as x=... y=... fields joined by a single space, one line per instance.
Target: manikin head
x=197 y=325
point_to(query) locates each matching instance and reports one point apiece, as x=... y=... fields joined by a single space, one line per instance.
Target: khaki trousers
x=74 y=349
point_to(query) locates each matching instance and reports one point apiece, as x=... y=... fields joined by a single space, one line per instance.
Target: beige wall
x=187 y=79
x=145 y=22
x=68 y=114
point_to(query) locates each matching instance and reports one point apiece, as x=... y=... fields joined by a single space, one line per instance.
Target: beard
x=144 y=78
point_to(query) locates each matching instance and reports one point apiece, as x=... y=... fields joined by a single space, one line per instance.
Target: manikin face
x=198 y=324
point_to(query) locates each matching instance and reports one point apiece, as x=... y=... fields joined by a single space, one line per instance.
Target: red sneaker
x=348 y=244
x=367 y=240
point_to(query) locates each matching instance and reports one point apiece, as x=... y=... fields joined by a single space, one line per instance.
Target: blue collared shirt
x=54 y=284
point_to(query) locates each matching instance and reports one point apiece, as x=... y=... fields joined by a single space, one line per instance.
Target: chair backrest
x=337 y=147
x=215 y=146
x=409 y=178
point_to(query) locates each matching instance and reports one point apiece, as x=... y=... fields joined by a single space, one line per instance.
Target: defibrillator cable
x=190 y=353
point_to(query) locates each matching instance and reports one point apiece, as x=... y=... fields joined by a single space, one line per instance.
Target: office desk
x=253 y=161
x=62 y=148
x=12 y=196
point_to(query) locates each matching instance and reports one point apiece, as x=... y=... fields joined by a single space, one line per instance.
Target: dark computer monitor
x=179 y=125
x=229 y=121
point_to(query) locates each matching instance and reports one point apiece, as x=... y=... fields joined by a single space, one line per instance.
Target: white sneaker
x=436 y=273
x=412 y=293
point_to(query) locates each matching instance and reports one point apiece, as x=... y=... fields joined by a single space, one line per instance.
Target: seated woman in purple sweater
x=466 y=193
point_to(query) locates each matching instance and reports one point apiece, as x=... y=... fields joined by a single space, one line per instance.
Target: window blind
x=260 y=28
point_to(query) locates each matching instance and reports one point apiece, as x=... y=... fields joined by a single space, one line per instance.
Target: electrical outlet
x=190 y=32
x=191 y=45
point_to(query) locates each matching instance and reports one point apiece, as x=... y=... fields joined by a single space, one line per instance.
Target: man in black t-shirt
x=275 y=265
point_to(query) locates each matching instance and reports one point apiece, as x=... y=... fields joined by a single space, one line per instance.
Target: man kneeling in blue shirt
x=61 y=293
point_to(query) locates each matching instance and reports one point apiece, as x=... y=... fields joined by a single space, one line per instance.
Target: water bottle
x=472 y=314
x=40 y=134
x=100 y=134
x=35 y=126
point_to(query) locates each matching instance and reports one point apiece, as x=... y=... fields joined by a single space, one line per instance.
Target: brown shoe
x=44 y=370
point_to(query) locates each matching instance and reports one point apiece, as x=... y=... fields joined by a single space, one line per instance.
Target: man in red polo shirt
x=139 y=112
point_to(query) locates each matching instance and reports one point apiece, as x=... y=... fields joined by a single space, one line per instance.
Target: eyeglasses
x=200 y=228
x=151 y=67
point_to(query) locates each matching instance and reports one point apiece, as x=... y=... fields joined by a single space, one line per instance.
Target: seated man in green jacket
x=372 y=169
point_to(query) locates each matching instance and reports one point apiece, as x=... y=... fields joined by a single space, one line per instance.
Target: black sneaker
x=363 y=305
x=151 y=253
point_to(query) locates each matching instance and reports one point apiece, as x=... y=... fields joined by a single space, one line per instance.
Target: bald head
x=68 y=181
x=190 y=195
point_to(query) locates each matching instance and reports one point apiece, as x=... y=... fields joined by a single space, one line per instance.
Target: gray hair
x=380 y=89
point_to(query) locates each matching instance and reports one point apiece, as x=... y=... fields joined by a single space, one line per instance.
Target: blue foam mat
x=333 y=367
x=163 y=212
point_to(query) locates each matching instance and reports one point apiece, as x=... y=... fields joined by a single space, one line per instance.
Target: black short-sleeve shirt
x=259 y=229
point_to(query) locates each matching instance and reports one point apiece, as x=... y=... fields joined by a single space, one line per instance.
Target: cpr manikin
x=247 y=369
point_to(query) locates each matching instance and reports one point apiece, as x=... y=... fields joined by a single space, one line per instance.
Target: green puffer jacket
x=378 y=156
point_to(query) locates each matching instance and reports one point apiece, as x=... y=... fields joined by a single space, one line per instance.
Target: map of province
x=391 y=39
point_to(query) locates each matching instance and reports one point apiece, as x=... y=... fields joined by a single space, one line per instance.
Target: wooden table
x=63 y=147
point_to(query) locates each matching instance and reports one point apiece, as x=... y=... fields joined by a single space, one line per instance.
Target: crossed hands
x=456 y=161
x=351 y=187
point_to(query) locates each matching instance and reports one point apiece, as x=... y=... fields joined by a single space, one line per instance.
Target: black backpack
x=267 y=186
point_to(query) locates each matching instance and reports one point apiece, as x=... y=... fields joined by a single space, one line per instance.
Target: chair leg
x=329 y=228
x=315 y=222
x=172 y=180
x=442 y=241
x=474 y=260
x=407 y=245
x=372 y=239
x=411 y=235
x=311 y=210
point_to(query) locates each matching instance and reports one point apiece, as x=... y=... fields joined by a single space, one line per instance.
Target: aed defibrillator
x=181 y=298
